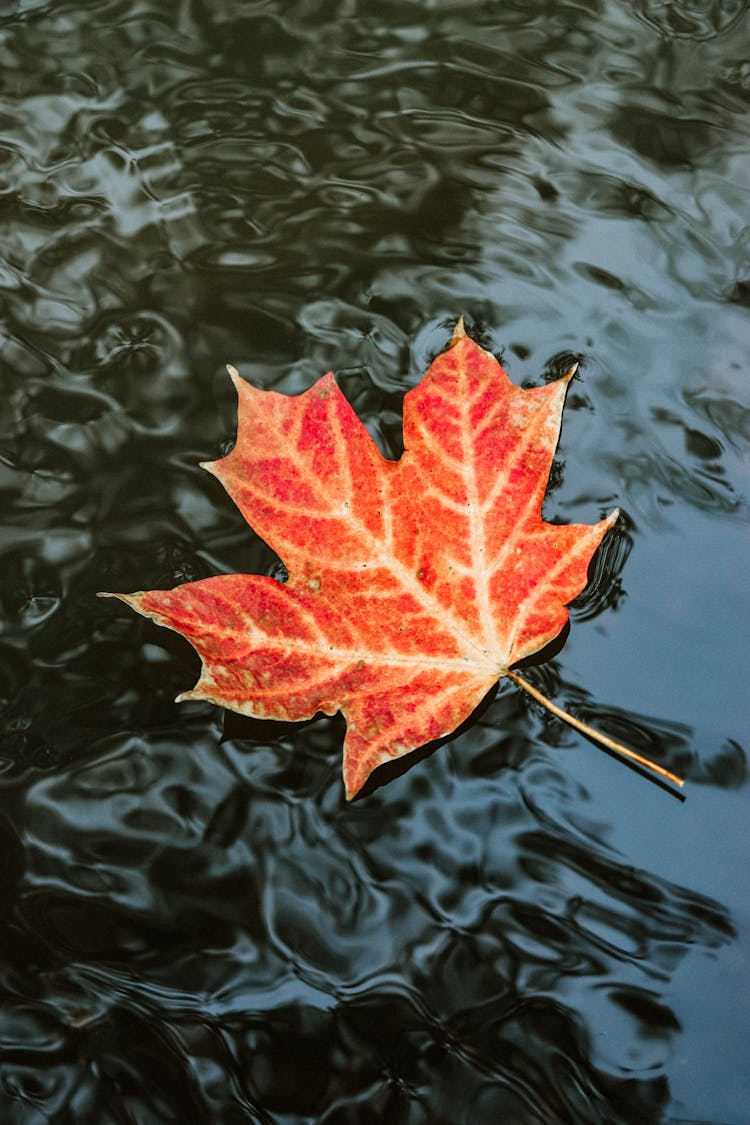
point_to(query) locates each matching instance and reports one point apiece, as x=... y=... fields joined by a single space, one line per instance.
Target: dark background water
x=196 y=927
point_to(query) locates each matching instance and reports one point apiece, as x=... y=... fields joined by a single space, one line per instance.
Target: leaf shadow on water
x=261 y=731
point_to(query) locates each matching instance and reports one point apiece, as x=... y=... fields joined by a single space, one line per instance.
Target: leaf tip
x=459 y=332
x=129 y=599
x=236 y=378
x=353 y=782
x=570 y=372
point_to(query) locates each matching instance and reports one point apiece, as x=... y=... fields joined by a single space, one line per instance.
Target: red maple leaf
x=413 y=585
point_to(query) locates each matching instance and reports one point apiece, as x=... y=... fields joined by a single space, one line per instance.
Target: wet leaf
x=413 y=585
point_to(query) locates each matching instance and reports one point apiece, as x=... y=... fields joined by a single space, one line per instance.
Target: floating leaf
x=413 y=585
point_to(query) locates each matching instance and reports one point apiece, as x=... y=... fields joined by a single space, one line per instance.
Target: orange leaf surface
x=413 y=584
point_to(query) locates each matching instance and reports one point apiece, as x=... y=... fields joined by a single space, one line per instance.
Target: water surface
x=196 y=927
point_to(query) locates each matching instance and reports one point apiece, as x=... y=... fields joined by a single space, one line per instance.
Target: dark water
x=195 y=926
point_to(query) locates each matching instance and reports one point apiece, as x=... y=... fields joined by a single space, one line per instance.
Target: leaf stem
x=584 y=728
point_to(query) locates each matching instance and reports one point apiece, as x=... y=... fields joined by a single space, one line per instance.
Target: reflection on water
x=224 y=905
x=197 y=927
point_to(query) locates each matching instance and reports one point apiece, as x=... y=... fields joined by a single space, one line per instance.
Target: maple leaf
x=414 y=585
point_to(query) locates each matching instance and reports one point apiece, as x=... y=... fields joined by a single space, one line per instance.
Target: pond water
x=196 y=927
